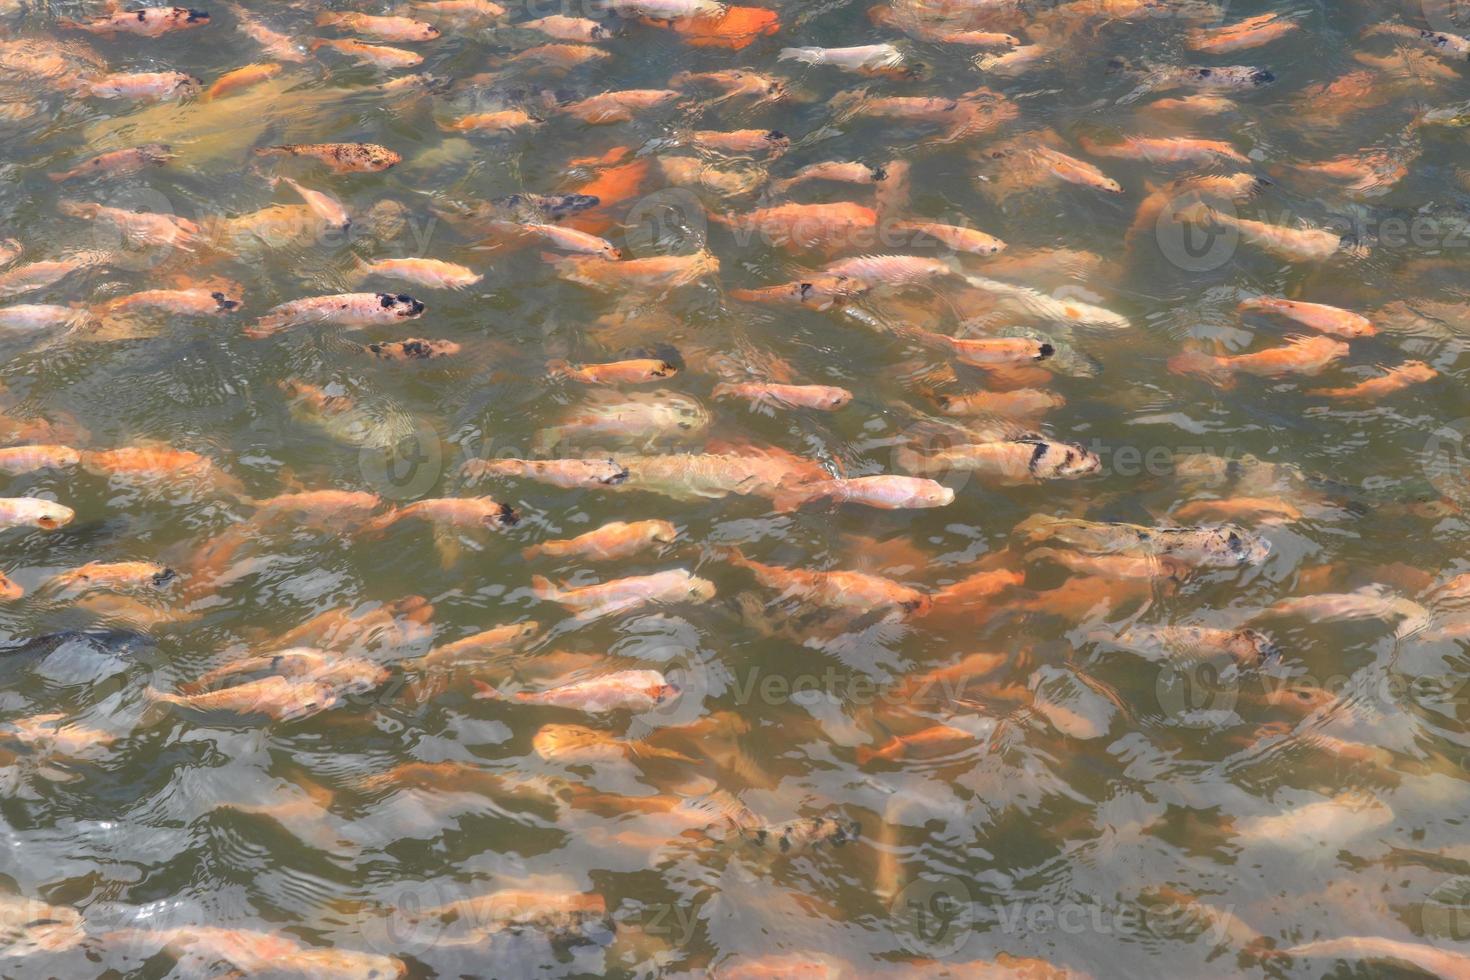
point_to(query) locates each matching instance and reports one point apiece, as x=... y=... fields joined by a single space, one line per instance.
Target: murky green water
x=1108 y=813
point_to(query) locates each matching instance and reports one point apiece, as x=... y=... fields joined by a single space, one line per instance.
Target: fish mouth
x=1262 y=77
x=506 y=516
x=617 y=477
x=164 y=577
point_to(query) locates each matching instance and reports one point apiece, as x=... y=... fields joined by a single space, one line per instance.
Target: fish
x=29 y=317
x=412 y=349
x=1114 y=566
x=734 y=82
x=119 y=163
x=343 y=310
x=323 y=205
x=631 y=416
x=112 y=575
x=142 y=85
x=826 y=398
x=610 y=542
x=196 y=301
x=1305 y=355
x=940 y=738
x=151 y=464
x=239 y=78
x=47 y=515
x=377 y=55
x=141 y=21
x=795 y=836
x=257 y=952
x=1071 y=170
x=623 y=690
x=1315 y=316
x=137 y=227
x=1453 y=47
x=467 y=13
x=622 y=595
x=30 y=927
x=1246 y=647
x=841 y=171
x=1396 y=378
x=742 y=470
x=497 y=639
x=819 y=292
x=568 y=473
x=274 y=43
x=650 y=273
x=868 y=59
x=17 y=460
x=579 y=745
x=1433 y=960
x=429 y=273
x=770 y=142
x=470 y=512
x=1016 y=461
x=501 y=120
x=1016 y=403
x=885 y=492
x=1165 y=149
x=340 y=158
x=384 y=28
x=636 y=370
x=988 y=351
x=617 y=107
x=1242 y=35
x=826 y=228
x=1292 y=244
x=31 y=276
x=667 y=10
x=1217 y=546
x=557 y=236
x=836 y=589
x=565 y=28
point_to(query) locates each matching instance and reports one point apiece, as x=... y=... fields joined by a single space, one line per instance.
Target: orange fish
x=611 y=542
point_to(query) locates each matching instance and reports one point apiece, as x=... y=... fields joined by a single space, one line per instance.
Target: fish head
x=1073 y=461
x=402 y=305
x=612 y=473
x=224 y=303
x=777 y=141
x=9 y=591
x=50 y=515
x=164 y=576
x=1255 y=645
x=701 y=590
x=611 y=252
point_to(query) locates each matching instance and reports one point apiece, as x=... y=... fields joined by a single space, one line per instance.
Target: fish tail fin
x=807 y=56
x=544 y=588
x=792 y=498
x=558 y=367
x=448 y=546
x=488 y=692
x=721 y=389
x=532 y=551
x=378 y=524
x=1198 y=362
